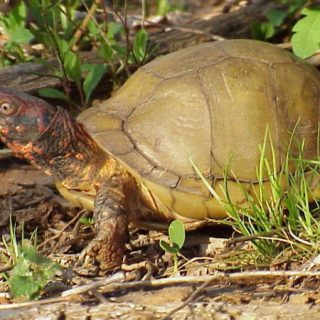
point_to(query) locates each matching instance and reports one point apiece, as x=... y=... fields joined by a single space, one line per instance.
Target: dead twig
x=72 y=296
x=41 y=245
x=120 y=276
x=219 y=276
x=191 y=298
x=111 y=283
x=80 y=31
x=241 y=239
x=30 y=304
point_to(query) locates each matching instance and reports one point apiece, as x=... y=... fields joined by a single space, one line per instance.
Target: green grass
x=278 y=218
x=30 y=271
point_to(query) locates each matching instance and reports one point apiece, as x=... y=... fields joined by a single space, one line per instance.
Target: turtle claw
x=86 y=265
x=98 y=257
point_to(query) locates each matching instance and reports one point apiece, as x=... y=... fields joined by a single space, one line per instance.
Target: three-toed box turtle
x=128 y=159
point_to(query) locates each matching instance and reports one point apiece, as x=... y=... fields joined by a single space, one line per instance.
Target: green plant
x=105 y=37
x=266 y=30
x=31 y=271
x=277 y=217
x=166 y=6
x=140 y=47
x=54 y=25
x=306 y=33
x=275 y=19
x=87 y=221
x=176 y=233
x=14 y=27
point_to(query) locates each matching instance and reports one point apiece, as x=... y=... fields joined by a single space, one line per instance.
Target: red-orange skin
x=49 y=138
x=53 y=141
x=29 y=119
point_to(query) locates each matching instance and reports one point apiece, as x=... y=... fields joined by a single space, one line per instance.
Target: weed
x=176 y=233
x=306 y=38
x=275 y=19
x=56 y=28
x=14 y=27
x=31 y=271
x=166 y=6
x=277 y=216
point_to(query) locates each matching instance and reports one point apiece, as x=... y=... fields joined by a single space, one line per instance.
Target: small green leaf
x=277 y=17
x=262 y=31
x=86 y=221
x=105 y=52
x=92 y=79
x=73 y=66
x=140 y=45
x=21 y=35
x=114 y=29
x=52 y=93
x=306 y=38
x=63 y=46
x=31 y=273
x=121 y=51
x=268 y=30
x=24 y=287
x=93 y=29
x=18 y=15
x=177 y=233
x=163 y=7
x=14 y=25
x=167 y=247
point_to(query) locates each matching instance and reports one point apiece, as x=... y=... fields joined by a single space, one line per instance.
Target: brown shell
x=212 y=103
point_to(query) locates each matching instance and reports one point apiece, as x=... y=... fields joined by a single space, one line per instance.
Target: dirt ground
x=145 y=287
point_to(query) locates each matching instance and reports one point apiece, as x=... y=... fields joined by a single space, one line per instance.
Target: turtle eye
x=7 y=108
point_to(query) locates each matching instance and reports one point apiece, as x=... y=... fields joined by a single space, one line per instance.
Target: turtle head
x=23 y=119
x=48 y=137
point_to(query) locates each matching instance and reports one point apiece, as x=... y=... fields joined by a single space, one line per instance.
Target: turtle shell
x=211 y=103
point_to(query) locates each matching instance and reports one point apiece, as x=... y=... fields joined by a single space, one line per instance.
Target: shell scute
x=211 y=103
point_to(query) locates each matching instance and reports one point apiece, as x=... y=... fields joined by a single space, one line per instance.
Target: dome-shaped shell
x=212 y=103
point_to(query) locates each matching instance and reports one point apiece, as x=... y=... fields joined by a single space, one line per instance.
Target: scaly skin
x=53 y=141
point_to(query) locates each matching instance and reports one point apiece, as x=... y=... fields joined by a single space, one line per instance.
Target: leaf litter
x=213 y=270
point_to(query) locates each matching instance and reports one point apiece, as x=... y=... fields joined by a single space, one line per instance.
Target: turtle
x=129 y=158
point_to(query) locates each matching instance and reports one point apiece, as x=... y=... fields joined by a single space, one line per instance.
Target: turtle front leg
x=111 y=226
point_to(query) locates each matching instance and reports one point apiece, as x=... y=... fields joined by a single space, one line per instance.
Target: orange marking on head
x=5 y=131
x=80 y=156
x=38 y=150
